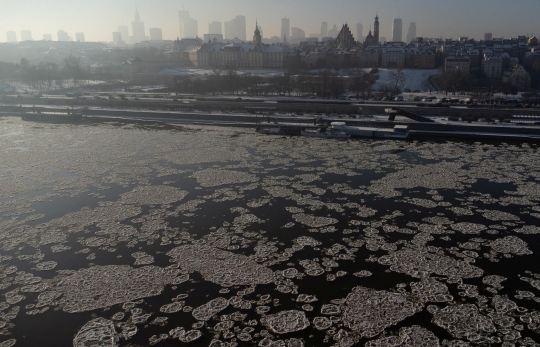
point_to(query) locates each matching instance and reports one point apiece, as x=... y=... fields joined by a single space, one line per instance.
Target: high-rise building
x=488 y=36
x=139 y=33
x=397 y=30
x=117 y=37
x=189 y=27
x=47 y=37
x=124 y=32
x=215 y=28
x=156 y=34
x=80 y=37
x=297 y=34
x=11 y=36
x=333 y=33
x=286 y=29
x=411 y=34
x=359 y=32
x=324 y=29
x=26 y=35
x=236 y=28
x=63 y=36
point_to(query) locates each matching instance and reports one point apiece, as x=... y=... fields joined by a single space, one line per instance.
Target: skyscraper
x=333 y=33
x=488 y=36
x=236 y=28
x=324 y=29
x=26 y=35
x=139 y=33
x=359 y=32
x=411 y=34
x=124 y=33
x=286 y=28
x=297 y=35
x=215 y=28
x=63 y=36
x=11 y=36
x=80 y=37
x=156 y=34
x=189 y=27
x=397 y=30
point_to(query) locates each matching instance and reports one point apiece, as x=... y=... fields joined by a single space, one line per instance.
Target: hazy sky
x=99 y=18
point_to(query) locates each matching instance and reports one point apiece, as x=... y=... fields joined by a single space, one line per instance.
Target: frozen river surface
x=129 y=235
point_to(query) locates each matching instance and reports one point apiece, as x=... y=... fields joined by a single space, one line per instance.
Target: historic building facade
x=254 y=54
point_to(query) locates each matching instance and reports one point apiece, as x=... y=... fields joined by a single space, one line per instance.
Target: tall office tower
x=359 y=32
x=124 y=32
x=488 y=36
x=397 y=30
x=80 y=37
x=189 y=27
x=26 y=35
x=411 y=34
x=236 y=28
x=117 y=37
x=63 y=36
x=156 y=34
x=297 y=34
x=324 y=29
x=11 y=36
x=47 y=37
x=286 y=29
x=139 y=33
x=215 y=28
x=333 y=32
x=376 y=30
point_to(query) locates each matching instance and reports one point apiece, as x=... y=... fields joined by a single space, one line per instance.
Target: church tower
x=376 y=29
x=257 y=38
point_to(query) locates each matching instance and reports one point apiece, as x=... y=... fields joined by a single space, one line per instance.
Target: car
x=407 y=90
x=135 y=98
x=416 y=91
x=97 y=97
x=112 y=97
x=422 y=104
x=123 y=98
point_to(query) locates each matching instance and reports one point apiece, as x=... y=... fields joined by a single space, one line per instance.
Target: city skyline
x=504 y=20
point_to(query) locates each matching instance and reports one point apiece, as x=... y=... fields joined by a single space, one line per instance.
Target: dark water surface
x=411 y=243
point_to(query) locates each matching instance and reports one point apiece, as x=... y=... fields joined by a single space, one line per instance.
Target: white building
x=286 y=29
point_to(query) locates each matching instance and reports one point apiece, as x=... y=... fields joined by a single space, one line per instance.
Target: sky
x=434 y=18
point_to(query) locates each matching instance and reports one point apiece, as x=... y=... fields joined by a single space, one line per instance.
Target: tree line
x=46 y=75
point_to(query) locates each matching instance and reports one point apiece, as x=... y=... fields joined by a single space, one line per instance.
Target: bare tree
x=396 y=81
x=72 y=67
